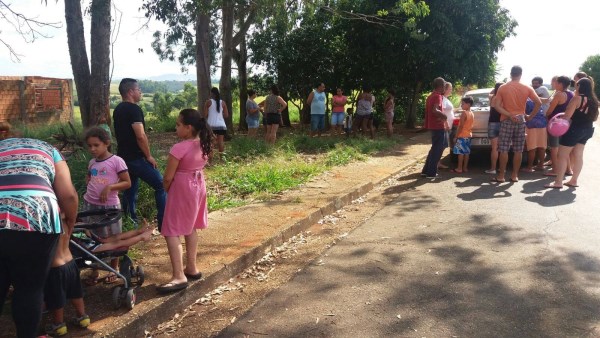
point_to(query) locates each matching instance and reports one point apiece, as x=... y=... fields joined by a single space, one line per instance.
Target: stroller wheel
x=139 y=271
x=130 y=299
x=116 y=297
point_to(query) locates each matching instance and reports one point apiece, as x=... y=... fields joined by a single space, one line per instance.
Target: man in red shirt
x=434 y=121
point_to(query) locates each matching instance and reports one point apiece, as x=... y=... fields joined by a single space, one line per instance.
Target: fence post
x=22 y=100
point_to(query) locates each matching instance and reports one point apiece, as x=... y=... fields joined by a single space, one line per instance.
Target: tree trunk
x=241 y=59
x=411 y=117
x=203 y=53
x=228 y=13
x=78 y=55
x=285 y=114
x=100 y=70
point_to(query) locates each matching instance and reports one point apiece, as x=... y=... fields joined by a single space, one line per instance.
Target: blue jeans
x=317 y=122
x=439 y=141
x=142 y=169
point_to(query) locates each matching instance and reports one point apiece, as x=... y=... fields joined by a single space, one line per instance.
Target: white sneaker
x=491 y=171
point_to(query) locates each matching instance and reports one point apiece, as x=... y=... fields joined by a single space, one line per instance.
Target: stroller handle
x=109 y=216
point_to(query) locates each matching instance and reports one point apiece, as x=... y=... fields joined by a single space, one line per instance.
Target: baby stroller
x=83 y=242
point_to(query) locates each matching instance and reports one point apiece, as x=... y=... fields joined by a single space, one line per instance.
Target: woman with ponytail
x=186 y=209
x=582 y=111
x=215 y=112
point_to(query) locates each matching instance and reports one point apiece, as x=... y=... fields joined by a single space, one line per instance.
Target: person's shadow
x=486 y=189
x=554 y=197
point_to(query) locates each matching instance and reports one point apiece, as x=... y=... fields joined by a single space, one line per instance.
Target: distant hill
x=173 y=77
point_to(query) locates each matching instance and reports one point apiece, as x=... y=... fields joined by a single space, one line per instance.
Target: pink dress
x=186 y=208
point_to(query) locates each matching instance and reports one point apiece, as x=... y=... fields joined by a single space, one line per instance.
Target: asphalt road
x=456 y=257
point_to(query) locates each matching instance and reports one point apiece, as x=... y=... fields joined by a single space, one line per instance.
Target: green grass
x=250 y=170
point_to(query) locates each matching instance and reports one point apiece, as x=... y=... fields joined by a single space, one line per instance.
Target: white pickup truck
x=481 y=110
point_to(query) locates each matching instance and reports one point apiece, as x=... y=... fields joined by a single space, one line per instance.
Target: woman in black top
x=582 y=111
x=494 y=130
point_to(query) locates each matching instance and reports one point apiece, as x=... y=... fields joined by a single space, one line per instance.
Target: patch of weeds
x=134 y=253
x=342 y=155
x=161 y=124
x=45 y=131
x=270 y=176
x=217 y=201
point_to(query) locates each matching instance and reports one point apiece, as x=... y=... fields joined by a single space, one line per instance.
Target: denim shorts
x=493 y=129
x=253 y=122
x=317 y=122
x=337 y=119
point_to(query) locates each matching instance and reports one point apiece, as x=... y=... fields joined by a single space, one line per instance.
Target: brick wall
x=35 y=99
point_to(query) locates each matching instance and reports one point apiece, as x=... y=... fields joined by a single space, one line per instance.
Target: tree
x=189 y=96
x=93 y=86
x=189 y=47
x=461 y=46
x=338 y=43
x=591 y=66
x=178 y=39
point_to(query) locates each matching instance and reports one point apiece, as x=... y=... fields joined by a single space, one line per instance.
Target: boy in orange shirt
x=462 y=139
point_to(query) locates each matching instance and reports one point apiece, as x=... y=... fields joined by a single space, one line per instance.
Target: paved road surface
x=458 y=257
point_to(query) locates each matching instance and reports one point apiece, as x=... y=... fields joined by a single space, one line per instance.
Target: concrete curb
x=172 y=304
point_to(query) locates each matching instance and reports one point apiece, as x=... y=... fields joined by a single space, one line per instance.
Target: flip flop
x=552 y=186
x=570 y=185
x=171 y=287
x=193 y=276
x=441 y=166
x=514 y=180
x=456 y=171
x=495 y=179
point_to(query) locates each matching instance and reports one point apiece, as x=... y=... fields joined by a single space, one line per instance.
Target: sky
x=550 y=40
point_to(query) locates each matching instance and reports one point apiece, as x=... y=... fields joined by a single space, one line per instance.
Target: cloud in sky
x=553 y=37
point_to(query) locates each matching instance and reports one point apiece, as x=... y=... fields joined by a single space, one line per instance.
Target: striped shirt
x=27 y=199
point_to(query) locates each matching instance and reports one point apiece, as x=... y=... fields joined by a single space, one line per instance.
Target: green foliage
x=163 y=104
x=149 y=86
x=591 y=66
x=162 y=124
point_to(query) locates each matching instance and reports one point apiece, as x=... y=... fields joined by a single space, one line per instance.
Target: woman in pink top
x=338 y=108
x=186 y=208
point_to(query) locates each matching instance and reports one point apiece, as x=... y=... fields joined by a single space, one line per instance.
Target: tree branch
x=241 y=34
x=25 y=26
x=13 y=54
x=372 y=19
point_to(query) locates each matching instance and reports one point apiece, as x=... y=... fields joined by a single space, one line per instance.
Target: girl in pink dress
x=186 y=208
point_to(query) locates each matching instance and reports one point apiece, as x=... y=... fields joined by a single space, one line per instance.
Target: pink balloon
x=558 y=126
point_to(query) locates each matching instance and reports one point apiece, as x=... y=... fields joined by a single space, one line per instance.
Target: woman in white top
x=448 y=110
x=215 y=113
